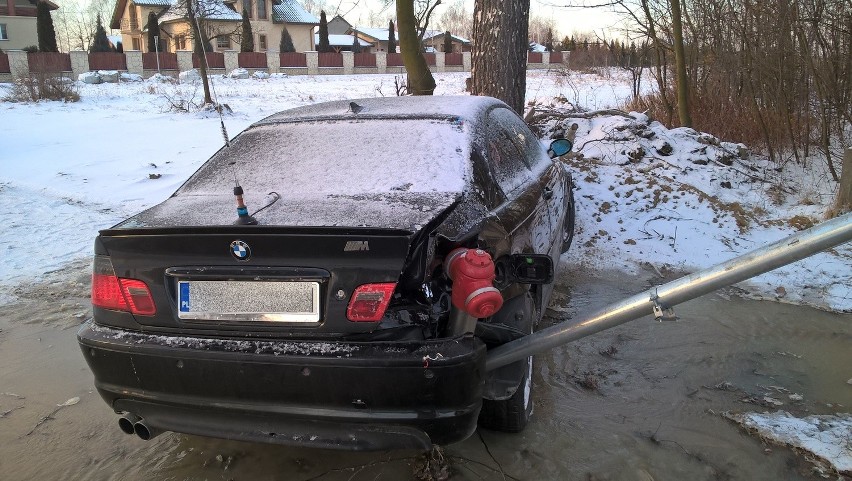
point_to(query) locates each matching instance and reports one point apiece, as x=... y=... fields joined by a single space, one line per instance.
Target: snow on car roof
x=350 y=171
x=465 y=107
x=334 y=157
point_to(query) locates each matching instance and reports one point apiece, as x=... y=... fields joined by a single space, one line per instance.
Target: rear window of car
x=341 y=157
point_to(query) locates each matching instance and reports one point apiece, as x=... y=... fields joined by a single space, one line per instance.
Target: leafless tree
x=457 y=19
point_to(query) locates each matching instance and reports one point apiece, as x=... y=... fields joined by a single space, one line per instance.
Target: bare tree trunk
x=499 y=57
x=420 y=80
x=843 y=202
x=659 y=65
x=202 y=62
x=680 y=67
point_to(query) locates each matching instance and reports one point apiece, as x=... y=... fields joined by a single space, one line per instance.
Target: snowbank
x=829 y=436
x=680 y=200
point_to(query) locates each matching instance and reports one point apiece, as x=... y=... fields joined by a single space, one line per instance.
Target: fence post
x=566 y=58
x=381 y=62
x=184 y=59
x=232 y=60
x=19 y=64
x=466 y=61
x=545 y=59
x=440 y=62
x=79 y=63
x=312 y=61
x=348 y=63
x=134 y=61
x=273 y=61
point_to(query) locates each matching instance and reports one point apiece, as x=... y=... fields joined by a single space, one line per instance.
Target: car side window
x=506 y=151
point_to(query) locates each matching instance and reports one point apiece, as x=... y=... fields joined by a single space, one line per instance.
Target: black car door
x=523 y=214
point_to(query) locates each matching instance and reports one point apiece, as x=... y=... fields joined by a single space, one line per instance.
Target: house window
x=135 y=42
x=223 y=42
x=261 y=9
x=249 y=7
x=262 y=42
x=3 y=34
x=180 y=42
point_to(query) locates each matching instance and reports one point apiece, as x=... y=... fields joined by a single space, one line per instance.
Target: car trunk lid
x=284 y=267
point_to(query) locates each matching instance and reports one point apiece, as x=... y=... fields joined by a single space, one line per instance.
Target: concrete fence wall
x=16 y=63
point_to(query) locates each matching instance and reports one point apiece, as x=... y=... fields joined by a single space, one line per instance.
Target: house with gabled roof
x=435 y=39
x=18 y=23
x=220 y=21
x=378 y=37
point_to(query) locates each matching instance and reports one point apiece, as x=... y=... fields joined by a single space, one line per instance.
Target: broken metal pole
x=662 y=298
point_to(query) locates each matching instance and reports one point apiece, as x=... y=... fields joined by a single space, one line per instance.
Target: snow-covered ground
x=71 y=169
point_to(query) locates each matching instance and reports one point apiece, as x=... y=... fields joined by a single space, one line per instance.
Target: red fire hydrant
x=472 y=273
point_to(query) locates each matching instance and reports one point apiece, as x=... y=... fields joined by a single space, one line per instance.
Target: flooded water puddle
x=643 y=401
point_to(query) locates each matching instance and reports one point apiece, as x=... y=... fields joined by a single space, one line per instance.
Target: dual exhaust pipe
x=133 y=424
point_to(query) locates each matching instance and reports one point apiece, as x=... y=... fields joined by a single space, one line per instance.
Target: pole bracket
x=661 y=313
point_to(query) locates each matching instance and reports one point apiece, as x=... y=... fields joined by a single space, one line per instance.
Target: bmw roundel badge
x=240 y=250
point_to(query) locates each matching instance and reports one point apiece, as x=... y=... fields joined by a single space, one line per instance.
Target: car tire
x=570 y=216
x=510 y=415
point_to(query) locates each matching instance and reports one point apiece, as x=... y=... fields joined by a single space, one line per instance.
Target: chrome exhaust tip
x=145 y=432
x=126 y=422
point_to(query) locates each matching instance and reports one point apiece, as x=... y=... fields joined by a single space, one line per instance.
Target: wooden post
x=843 y=202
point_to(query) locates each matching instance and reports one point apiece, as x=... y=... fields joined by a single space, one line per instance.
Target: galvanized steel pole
x=786 y=251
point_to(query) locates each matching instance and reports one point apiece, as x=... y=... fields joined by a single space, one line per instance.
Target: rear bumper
x=359 y=396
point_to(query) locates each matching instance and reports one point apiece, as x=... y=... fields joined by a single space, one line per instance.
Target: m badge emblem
x=352 y=246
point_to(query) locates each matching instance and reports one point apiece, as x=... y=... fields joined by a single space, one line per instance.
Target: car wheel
x=510 y=415
x=568 y=233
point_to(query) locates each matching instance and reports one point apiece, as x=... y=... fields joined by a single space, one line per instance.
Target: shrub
x=43 y=86
x=30 y=49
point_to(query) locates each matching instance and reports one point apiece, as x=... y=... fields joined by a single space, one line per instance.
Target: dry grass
x=718 y=113
x=43 y=86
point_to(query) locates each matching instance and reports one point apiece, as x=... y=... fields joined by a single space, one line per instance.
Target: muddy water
x=639 y=402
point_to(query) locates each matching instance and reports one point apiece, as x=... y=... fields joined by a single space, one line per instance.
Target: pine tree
x=324 y=44
x=44 y=27
x=448 y=42
x=101 y=42
x=153 y=32
x=247 y=40
x=356 y=45
x=119 y=48
x=391 y=37
x=286 y=44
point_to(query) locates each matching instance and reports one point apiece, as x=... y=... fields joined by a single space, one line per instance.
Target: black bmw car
x=334 y=278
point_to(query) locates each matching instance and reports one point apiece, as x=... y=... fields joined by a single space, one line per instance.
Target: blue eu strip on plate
x=183 y=296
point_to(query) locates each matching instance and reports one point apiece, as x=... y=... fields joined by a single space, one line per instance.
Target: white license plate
x=273 y=301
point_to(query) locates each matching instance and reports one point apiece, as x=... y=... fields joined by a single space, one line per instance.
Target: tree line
x=773 y=73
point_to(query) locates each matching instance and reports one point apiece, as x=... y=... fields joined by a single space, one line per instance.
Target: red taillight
x=111 y=292
x=369 y=302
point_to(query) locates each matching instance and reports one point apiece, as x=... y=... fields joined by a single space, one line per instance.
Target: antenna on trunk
x=243 y=217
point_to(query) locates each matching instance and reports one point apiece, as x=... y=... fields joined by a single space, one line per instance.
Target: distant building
x=220 y=20
x=338 y=26
x=343 y=43
x=435 y=39
x=18 y=23
x=378 y=37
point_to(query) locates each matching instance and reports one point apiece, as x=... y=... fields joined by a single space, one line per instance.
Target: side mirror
x=559 y=147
